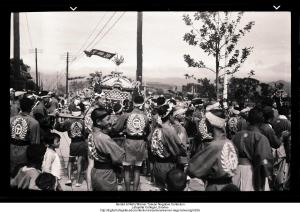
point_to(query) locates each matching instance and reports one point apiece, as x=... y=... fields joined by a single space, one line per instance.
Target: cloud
x=163 y=47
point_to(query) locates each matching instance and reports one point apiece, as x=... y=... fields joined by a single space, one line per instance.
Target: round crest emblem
x=136 y=124
x=76 y=129
x=229 y=160
x=19 y=128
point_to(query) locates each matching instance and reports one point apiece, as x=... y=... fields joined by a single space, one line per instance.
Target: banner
x=99 y=53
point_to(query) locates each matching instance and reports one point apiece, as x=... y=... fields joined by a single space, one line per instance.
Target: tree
x=30 y=85
x=21 y=79
x=266 y=90
x=242 y=89
x=218 y=36
x=206 y=89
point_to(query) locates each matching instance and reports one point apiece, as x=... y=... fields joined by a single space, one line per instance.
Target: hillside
x=50 y=81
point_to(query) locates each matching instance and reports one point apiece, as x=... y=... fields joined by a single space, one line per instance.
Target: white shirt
x=51 y=163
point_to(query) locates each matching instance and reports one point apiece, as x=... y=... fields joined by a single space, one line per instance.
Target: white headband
x=215 y=120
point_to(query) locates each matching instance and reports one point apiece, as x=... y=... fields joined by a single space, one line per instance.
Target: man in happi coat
x=53 y=103
x=105 y=155
x=266 y=127
x=78 y=147
x=118 y=137
x=99 y=101
x=14 y=103
x=217 y=161
x=165 y=145
x=255 y=155
x=24 y=130
x=40 y=113
x=136 y=128
x=41 y=105
x=281 y=167
x=178 y=120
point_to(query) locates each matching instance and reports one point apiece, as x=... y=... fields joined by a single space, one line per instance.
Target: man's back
x=25 y=128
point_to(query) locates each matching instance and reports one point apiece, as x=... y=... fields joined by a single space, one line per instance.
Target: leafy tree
x=241 y=89
x=218 y=36
x=206 y=89
x=266 y=90
x=30 y=85
x=21 y=79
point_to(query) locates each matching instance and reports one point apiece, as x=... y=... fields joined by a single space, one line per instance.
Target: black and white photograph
x=150 y=101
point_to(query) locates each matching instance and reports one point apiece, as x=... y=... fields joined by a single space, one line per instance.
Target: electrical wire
x=101 y=30
x=111 y=27
x=93 y=31
x=28 y=29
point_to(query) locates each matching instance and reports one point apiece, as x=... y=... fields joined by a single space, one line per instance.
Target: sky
x=55 y=33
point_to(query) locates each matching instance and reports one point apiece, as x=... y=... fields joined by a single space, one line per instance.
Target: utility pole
x=36 y=51
x=56 y=81
x=225 y=90
x=36 y=68
x=40 y=81
x=67 y=57
x=42 y=85
x=16 y=21
x=67 y=75
x=139 y=70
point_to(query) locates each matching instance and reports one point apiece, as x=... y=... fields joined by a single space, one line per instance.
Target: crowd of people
x=225 y=146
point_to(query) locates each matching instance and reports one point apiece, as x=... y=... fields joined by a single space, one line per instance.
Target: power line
x=111 y=27
x=105 y=33
x=93 y=31
x=102 y=29
x=28 y=29
x=25 y=41
x=81 y=53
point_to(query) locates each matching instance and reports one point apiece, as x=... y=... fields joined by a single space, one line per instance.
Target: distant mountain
x=172 y=81
x=50 y=82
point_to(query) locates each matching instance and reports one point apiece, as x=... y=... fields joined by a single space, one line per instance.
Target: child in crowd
x=176 y=180
x=51 y=163
x=231 y=188
x=26 y=176
x=46 y=182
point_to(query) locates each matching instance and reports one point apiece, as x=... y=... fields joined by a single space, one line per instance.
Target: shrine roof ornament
x=116 y=80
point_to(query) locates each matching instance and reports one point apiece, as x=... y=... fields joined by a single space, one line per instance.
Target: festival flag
x=100 y=53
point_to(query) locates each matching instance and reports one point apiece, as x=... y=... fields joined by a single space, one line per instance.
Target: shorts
x=160 y=171
x=78 y=149
x=136 y=163
x=134 y=152
x=104 y=180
